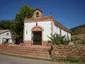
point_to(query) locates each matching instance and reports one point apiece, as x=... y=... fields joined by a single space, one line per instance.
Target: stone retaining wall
x=69 y=51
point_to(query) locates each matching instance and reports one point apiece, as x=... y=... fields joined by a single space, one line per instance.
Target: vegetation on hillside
x=6 y=24
x=78 y=34
x=78 y=30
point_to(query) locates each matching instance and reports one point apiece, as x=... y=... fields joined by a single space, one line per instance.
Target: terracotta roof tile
x=61 y=26
x=38 y=9
x=2 y=31
x=43 y=18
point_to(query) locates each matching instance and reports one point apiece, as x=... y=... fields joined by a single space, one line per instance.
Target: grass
x=69 y=60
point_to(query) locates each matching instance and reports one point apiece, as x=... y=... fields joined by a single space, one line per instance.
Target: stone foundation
x=44 y=43
x=29 y=43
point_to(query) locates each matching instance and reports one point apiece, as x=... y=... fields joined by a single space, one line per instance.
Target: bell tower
x=37 y=14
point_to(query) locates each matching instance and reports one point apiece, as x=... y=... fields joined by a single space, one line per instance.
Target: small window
x=7 y=33
x=37 y=14
x=26 y=32
x=36 y=24
x=60 y=32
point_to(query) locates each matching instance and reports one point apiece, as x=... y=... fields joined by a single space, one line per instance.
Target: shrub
x=57 y=39
x=82 y=42
x=72 y=60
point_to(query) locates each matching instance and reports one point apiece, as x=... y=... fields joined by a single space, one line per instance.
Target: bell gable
x=37 y=14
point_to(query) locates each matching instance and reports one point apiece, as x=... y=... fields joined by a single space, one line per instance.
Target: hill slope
x=78 y=30
x=78 y=33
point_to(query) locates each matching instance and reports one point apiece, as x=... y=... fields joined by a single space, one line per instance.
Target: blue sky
x=70 y=13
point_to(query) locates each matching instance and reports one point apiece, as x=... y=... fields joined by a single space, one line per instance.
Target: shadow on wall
x=18 y=40
x=5 y=41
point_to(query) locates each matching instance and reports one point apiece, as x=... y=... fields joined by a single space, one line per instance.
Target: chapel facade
x=39 y=27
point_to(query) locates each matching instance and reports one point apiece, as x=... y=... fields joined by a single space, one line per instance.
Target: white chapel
x=39 y=27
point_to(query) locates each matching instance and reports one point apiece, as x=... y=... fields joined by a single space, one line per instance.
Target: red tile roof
x=43 y=18
x=3 y=31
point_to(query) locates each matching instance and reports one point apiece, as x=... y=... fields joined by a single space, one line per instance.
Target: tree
x=5 y=24
x=25 y=11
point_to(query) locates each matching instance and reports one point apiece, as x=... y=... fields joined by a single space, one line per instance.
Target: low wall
x=58 y=51
x=31 y=51
x=69 y=51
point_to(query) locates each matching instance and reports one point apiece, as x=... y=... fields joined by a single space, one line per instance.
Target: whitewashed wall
x=46 y=25
x=69 y=35
x=56 y=29
x=5 y=36
x=63 y=33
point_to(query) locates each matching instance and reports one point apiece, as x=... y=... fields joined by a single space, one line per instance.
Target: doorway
x=37 y=37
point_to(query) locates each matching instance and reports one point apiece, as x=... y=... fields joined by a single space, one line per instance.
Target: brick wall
x=31 y=51
x=69 y=51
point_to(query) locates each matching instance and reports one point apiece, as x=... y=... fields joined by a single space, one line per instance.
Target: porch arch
x=37 y=28
x=37 y=35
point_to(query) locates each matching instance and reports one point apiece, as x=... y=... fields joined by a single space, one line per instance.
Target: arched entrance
x=37 y=35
